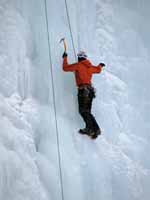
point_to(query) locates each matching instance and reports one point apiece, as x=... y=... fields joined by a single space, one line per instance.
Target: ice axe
x=65 y=45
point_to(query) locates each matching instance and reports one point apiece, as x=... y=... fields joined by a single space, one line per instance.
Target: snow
x=116 y=165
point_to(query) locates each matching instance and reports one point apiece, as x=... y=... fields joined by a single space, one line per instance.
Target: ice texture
x=42 y=155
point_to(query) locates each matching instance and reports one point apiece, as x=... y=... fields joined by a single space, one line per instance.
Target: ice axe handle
x=65 y=45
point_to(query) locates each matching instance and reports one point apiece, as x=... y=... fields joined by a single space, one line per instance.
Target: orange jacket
x=83 y=70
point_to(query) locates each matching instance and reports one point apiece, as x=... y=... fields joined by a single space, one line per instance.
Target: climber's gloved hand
x=65 y=55
x=102 y=64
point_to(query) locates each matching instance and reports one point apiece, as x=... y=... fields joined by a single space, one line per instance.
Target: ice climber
x=83 y=74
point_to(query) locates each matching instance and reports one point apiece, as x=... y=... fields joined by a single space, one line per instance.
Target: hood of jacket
x=86 y=63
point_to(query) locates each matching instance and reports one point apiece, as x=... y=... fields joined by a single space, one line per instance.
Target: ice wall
x=19 y=175
x=114 y=166
x=22 y=110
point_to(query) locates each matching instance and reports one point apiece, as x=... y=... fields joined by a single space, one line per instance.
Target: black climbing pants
x=85 y=98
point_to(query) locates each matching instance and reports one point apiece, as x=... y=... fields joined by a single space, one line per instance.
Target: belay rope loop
x=53 y=90
x=54 y=102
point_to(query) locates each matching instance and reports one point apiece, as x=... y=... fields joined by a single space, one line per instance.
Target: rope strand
x=54 y=102
x=53 y=90
x=69 y=23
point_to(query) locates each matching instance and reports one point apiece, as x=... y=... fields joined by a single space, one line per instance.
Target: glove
x=102 y=64
x=65 y=55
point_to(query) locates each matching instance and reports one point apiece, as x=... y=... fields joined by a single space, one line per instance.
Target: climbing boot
x=96 y=134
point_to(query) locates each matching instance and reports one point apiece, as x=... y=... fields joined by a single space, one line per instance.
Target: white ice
x=116 y=165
